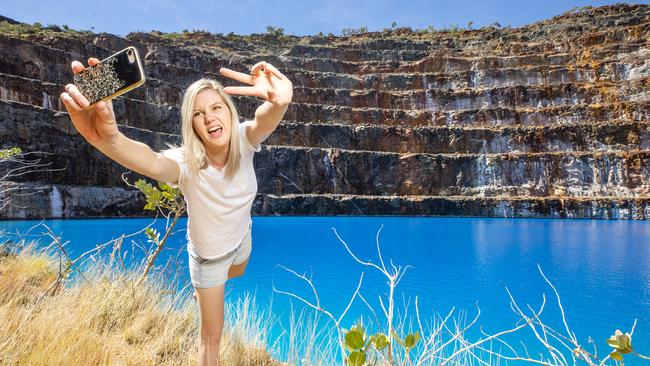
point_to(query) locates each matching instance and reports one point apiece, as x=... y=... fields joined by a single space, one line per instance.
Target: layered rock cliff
x=547 y=120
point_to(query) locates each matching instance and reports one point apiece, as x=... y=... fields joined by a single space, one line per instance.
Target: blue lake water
x=600 y=268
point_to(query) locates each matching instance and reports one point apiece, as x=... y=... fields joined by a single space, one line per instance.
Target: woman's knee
x=210 y=336
x=211 y=302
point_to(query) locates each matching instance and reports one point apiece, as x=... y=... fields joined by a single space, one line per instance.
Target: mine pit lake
x=600 y=268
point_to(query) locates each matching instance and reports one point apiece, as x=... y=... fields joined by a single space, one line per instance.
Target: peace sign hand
x=267 y=83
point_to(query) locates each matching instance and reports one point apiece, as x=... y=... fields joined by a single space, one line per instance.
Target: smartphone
x=112 y=76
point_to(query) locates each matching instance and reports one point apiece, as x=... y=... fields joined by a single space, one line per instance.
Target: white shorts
x=208 y=273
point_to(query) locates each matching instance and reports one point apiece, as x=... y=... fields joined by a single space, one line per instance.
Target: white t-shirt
x=218 y=210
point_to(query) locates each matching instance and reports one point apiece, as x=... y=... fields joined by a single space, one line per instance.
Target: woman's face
x=211 y=119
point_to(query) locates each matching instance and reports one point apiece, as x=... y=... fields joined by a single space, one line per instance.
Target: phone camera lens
x=130 y=55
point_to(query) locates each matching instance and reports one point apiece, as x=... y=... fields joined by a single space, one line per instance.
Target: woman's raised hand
x=266 y=82
x=95 y=123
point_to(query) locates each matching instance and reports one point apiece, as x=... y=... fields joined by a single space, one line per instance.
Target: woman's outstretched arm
x=271 y=85
x=97 y=125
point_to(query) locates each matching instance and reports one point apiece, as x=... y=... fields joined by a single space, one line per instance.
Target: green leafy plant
x=165 y=197
x=168 y=201
x=356 y=344
x=408 y=343
x=393 y=26
x=275 y=31
x=22 y=30
x=152 y=234
x=578 y=9
x=354 y=31
x=7 y=153
x=273 y=35
x=361 y=347
x=622 y=345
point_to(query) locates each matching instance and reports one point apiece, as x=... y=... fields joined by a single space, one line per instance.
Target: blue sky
x=299 y=17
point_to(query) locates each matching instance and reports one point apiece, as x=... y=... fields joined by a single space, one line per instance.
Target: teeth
x=213 y=129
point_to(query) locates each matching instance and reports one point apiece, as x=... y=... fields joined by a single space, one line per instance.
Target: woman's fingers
x=274 y=71
x=244 y=90
x=103 y=111
x=76 y=95
x=257 y=67
x=77 y=67
x=255 y=70
x=235 y=75
x=263 y=87
x=69 y=103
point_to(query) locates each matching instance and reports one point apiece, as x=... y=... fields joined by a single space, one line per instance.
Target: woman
x=213 y=168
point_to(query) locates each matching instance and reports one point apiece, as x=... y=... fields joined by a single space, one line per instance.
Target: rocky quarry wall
x=547 y=120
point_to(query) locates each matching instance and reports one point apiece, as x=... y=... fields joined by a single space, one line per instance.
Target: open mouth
x=216 y=131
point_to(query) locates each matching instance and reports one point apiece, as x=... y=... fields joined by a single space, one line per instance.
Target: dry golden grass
x=109 y=319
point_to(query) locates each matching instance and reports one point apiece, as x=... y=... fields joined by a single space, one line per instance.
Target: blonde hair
x=192 y=147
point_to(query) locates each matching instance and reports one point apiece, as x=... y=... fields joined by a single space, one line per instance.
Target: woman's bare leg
x=237 y=270
x=211 y=304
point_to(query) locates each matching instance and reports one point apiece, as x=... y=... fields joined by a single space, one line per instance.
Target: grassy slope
x=108 y=319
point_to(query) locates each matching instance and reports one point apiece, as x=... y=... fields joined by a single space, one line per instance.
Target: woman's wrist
x=111 y=143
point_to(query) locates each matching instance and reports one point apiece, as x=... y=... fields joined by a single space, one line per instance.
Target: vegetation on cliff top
x=275 y=35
